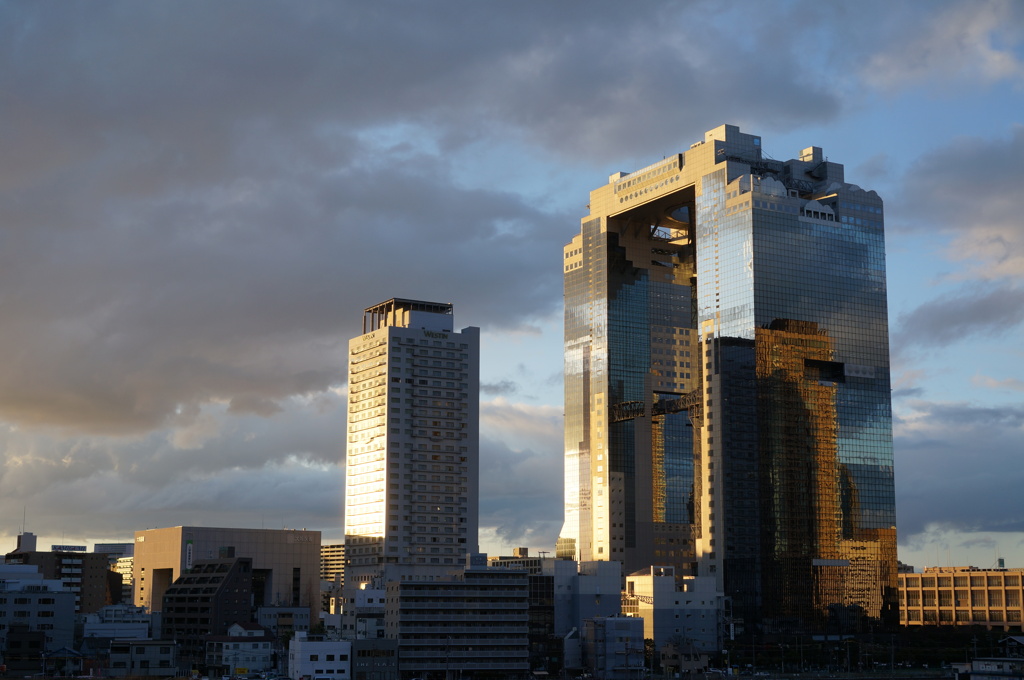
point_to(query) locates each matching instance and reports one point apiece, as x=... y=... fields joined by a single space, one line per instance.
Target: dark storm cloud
x=959 y=466
x=249 y=291
x=198 y=199
x=975 y=312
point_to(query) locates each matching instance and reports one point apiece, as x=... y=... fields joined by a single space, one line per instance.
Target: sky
x=198 y=199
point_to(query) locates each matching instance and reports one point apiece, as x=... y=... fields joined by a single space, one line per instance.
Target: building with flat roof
x=285 y=562
x=613 y=647
x=472 y=620
x=332 y=575
x=962 y=596
x=687 y=609
x=31 y=603
x=313 y=656
x=727 y=391
x=87 y=575
x=412 y=455
x=115 y=550
x=143 y=658
x=332 y=562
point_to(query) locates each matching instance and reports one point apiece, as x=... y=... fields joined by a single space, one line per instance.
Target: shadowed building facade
x=285 y=562
x=727 y=383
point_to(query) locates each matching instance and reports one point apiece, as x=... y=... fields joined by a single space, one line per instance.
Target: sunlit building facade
x=963 y=596
x=727 y=383
x=412 y=465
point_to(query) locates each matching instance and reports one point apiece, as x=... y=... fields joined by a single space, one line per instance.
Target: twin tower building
x=727 y=394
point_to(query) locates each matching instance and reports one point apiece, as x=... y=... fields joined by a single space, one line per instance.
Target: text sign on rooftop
x=67 y=548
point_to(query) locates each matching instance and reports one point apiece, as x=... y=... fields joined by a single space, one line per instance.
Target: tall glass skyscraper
x=727 y=383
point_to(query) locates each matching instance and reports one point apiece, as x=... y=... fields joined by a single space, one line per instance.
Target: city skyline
x=197 y=199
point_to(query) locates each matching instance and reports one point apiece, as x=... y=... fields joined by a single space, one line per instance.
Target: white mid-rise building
x=119 y=621
x=686 y=613
x=412 y=470
x=319 y=659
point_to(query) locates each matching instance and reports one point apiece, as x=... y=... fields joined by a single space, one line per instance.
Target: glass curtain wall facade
x=629 y=335
x=727 y=383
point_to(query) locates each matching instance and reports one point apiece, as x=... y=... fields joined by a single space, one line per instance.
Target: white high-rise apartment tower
x=412 y=469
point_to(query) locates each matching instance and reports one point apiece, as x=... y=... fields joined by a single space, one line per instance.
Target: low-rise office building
x=613 y=647
x=247 y=648
x=962 y=596
x=375 y=659
x=674 y=609
x=283 y=621
x=118 y=621
x=87 y=575
x=315 y=657
x=151 y=658
x=31 y=603
x=472 y=620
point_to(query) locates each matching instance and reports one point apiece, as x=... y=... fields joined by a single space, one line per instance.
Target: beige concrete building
x=962 y=596
x=332 y=575
x=285 y=562
x=332 y=562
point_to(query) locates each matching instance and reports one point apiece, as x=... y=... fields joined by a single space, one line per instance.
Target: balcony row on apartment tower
x=727 y=383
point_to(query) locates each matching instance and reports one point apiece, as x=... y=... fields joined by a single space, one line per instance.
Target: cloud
x=225 y=203
x=521 y=473
x=500 y=388
x=216 y=468
x=951 y=45
x=996 y=384
x=968 y=189
x=951 y=319
x=962 y=453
